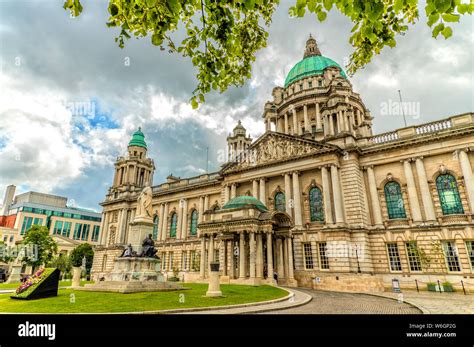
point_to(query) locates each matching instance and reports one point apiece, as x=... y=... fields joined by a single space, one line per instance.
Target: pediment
x=273 y=147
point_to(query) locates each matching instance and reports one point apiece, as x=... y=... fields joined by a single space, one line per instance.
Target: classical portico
x=252 y=243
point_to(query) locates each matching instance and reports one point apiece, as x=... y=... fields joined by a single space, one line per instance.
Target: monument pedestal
x=140 y=228
x=15 y=274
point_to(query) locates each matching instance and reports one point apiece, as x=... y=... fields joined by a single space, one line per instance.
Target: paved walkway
x=436 y=303
x=348 y=303
x=295 y=299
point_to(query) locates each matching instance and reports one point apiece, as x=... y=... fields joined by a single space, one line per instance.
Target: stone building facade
x=317 y=199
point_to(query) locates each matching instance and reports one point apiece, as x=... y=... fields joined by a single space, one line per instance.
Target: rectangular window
x=323 y=259
x=27 y=222
x=216 y=255
x=394 y=257
x=85 y=232
x=451 y=254
x=320 y=83
x=413 y=256
x=470 y=252
x=195 y=263
x=163 y=261
x=38 y=221
x=313 y=129
x=77 y=231
x=308 y=256
x=170 y=261
x=95 y=233
x=58 y=227
x=310 y=84
x=67 y=229
x=184 y=260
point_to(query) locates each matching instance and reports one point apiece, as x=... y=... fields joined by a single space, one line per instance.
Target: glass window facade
x=194 y=223
x=451 y=256
x=394 y=200
x=95 y=233
x=316 y=205
x=449 y=195
x=173 y=224
x=308 y=256
x=470 y=252
x=58 y=227
x=323 y=258
x=280 y=202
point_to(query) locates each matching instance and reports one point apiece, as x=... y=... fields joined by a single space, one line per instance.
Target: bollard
x=417 y=289
x=439 y=286
x=463 y=289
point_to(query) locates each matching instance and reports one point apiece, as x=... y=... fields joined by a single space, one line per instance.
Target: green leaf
x=327 y=4
x=447 y=32
x=194 y=103
x=437 y=29
x=156 y=39
x=433 y=18
x=398 y=5
x=322 y=16
x=448 y=17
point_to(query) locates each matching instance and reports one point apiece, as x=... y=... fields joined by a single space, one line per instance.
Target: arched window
x=194 y=223
x=394 y=200
x=316 y=205
x=449 y=195
x=155 y=227
x=174 y=221
x=280 y=202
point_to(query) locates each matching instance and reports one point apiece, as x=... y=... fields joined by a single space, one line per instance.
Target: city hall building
x=318 y=199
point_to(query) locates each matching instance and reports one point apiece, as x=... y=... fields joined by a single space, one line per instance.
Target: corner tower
x=134 y=171
x=238 y=141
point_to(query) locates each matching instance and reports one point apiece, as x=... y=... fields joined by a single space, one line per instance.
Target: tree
x=223 y=44
x=81 y=251
x=63 y=263
x=40 y=247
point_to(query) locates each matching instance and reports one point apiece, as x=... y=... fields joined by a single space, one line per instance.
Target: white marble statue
x=144 y=209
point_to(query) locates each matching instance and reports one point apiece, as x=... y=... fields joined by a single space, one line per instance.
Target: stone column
x=280 y=266
x=338 y=209
x=231 y=260
x=263 y=197
x=286 y=123
x=267 y=125
x=291 y=274
x=202 y=269
x=226 y=193
x=179 y=211
x=160 y=221
x=201 y=209
x=327 y=196
x=233 y=191
x=269 y=256
x=374 y=198
x=184 y=223
x=318 y=117
x=468 y=180
x=425 y=190
x=206 y=203
x=252 y=255
x=331 y=124
x=412 y=193
x=242 y=256
x=259 y=256
x=255 y=189
x=223 y=256
x=210 y=252
x=284 y=245
x=306 y=120
x=103 y=229
x=288 y=199
x=295 y=122
x=164 y=223
x=296 y=200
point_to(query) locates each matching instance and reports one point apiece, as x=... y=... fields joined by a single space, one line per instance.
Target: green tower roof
x=310 y=66
x=138 y=139
x=313 y=63
x=245 y=201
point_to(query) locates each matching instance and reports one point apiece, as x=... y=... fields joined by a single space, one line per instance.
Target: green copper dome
x=138 y=139
x=313 y=63
x=310 y=66
x=245 y=201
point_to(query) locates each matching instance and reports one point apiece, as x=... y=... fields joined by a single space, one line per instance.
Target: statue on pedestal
x=128 y=252
x=144 y=209
x=149 y=249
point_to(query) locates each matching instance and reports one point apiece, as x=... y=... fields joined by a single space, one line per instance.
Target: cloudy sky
x=52 y=64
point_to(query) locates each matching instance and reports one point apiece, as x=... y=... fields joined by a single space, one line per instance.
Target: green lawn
x=61 y=284
x=100 y=302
